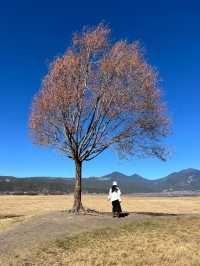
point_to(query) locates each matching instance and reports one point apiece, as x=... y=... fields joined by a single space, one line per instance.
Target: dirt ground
x=37 y=231
x=52 y=226
x=42 y=220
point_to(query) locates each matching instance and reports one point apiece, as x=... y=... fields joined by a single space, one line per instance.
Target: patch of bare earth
x=41 y=229
x=37 y=231
x=60 y=238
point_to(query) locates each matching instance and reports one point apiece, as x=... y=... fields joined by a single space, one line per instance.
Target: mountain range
x=187 y=180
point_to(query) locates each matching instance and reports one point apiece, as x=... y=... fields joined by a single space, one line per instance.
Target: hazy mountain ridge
x=185 y=180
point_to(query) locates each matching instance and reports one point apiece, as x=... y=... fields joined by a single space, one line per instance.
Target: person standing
x=115 y=197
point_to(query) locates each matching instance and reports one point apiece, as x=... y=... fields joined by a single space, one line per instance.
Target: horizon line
x=61 y=177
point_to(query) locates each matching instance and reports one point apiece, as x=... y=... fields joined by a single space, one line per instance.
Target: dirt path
x=55 y=225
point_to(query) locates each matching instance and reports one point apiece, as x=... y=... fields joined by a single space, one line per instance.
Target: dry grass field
x=27 y=206
x=156 y=241
x=33 y=205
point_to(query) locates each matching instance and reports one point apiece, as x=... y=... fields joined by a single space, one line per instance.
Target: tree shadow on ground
x=157 y=213
x=9 y=216
x=125 y=214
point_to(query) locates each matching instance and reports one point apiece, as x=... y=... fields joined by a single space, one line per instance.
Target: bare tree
x=99 y=94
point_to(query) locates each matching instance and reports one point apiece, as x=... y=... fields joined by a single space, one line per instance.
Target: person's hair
x=114 y=188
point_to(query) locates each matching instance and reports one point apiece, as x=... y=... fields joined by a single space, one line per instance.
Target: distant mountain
x=6 y=178
x=185 y=180
x=129 y=184
x=188 y=179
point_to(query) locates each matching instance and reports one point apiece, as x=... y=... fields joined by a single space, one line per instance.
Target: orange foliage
x=97 y=95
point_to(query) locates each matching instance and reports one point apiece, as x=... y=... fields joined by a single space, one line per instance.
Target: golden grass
x=6 y=223
x=153 y=242
x=156 y=242
x=33 y=205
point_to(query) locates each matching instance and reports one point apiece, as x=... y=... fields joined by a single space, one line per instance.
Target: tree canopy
x=100 y=94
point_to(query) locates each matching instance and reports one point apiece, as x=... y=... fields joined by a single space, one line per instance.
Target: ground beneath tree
x=56 y=225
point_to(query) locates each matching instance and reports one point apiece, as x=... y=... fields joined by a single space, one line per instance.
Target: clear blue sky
x=33 y=32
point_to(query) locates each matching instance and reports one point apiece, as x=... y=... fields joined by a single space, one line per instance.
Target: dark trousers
x=116 y=207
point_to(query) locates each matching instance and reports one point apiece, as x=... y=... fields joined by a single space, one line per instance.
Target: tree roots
x=84 y=211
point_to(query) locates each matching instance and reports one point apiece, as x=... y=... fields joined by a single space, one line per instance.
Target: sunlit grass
x=8 y=222
x=164 y=241
x=33 y=205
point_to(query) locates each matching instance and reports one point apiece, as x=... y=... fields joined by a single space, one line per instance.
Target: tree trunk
x=77 y=207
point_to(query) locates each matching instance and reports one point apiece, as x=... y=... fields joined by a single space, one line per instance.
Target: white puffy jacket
x=116 y=195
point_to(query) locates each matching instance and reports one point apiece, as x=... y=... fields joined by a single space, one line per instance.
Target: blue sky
x=33 y=32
